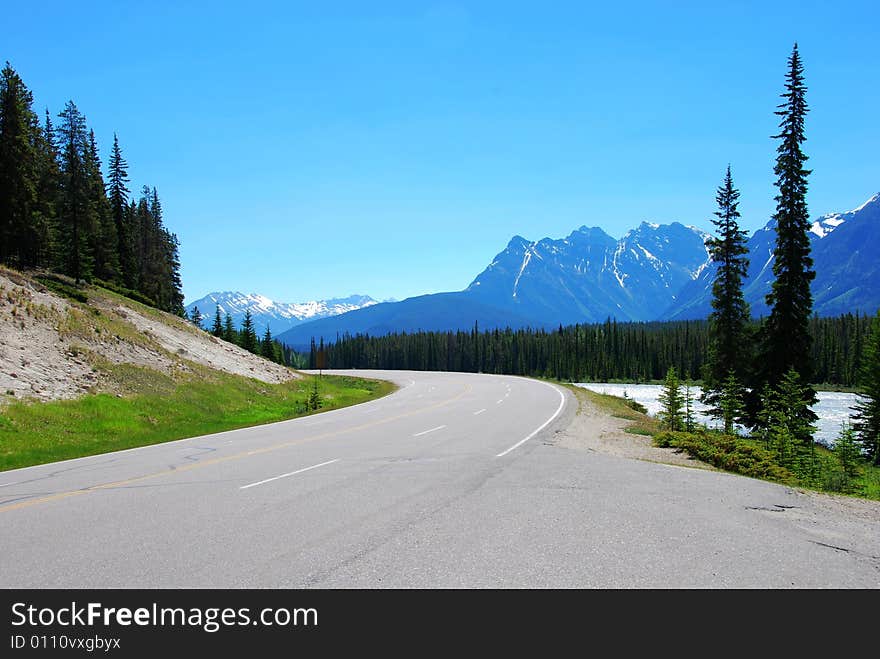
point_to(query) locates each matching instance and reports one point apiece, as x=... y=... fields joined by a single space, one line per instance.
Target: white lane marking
x=292 y=473
x=542 y=426
x=479 y=411
x=425 y=432
x=498 y=402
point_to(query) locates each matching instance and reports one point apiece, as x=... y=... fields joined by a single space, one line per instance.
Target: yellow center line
x=214 y=461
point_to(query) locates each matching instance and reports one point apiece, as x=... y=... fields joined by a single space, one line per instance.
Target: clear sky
x=306 y=150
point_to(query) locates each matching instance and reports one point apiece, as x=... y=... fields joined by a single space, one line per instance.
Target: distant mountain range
x=278 y=316
x=655 y=272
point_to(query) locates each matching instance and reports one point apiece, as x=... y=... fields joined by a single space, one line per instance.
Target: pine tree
x=690 y=421
x=229 y=333
x=117 y=193
x=75 y=218
x=104 y=241
x=867 y=409
x=730 y=403
x=217 y=327
x=267 y=348
x=48 y=186
x=847 y=450
x=196 y=317
x=19 y=243
x=785 y=339
x=671 y=402
x=175 y=282
x=790 y=431
x=314 y=401
x=248 y=335
x=728 y=323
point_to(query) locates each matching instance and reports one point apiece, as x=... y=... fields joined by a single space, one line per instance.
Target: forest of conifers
x=59 y=213
x=585 y=353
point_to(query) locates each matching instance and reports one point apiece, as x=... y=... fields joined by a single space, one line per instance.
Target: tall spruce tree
x=75 y=219
x=730 y=404
x=175 y=293
x=248 y=335
x=48 y=185
x=229 y=333
x=267 y=347
x=217 y=327
x=117 y=193
x=867 y=410
x=729 y=342
x=196 y=317
x=672 y=402
x=785 y=337
x=104 y=242
x=20 y=244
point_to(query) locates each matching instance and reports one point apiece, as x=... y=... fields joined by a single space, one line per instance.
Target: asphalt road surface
x=453 y=481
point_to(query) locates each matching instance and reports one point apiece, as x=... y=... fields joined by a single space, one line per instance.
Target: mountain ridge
x=278 y=316
x=654 y=272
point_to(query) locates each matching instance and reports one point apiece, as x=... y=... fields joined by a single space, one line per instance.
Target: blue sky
x=310 y=150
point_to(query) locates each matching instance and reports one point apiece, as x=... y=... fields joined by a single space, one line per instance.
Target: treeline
x=599 y=352
x=58 y=212
x=246 y=337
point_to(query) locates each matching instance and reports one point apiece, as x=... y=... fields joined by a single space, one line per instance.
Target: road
x=453 y=481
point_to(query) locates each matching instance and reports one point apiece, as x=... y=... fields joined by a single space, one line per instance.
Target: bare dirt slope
x=52 y=348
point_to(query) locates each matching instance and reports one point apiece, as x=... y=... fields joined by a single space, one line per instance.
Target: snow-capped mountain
x=590 y=276
x=278 y=316
x=655 y=272
x=844 y=248
x=586 y=277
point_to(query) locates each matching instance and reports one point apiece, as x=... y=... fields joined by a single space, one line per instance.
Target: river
x=833 y=408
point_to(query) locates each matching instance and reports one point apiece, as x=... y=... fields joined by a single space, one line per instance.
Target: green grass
x=158 y=408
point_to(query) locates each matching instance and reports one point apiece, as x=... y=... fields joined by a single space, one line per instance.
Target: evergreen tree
x=671 y=402
x=156 y=256
x=229 y=333
x=730 y=403
x=104 y=241
x=48 y=186
x=248 y=339
x=867 y=410
x=267 y=347
x=217 y=327
x=20 y=244
x=690 y=418
x=314 y=401
x=847 y=450
x=790 y=432
x=729 y=339
x=75 y=218
x=175 y=289
x=785 y=340
x=117 y=193
x=196 y=317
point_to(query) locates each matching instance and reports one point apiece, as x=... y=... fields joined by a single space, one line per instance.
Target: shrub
x=727 y=452
x=126 y=292
x=63 y=289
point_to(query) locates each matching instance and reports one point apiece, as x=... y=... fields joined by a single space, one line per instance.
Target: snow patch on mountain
x=278 y=316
